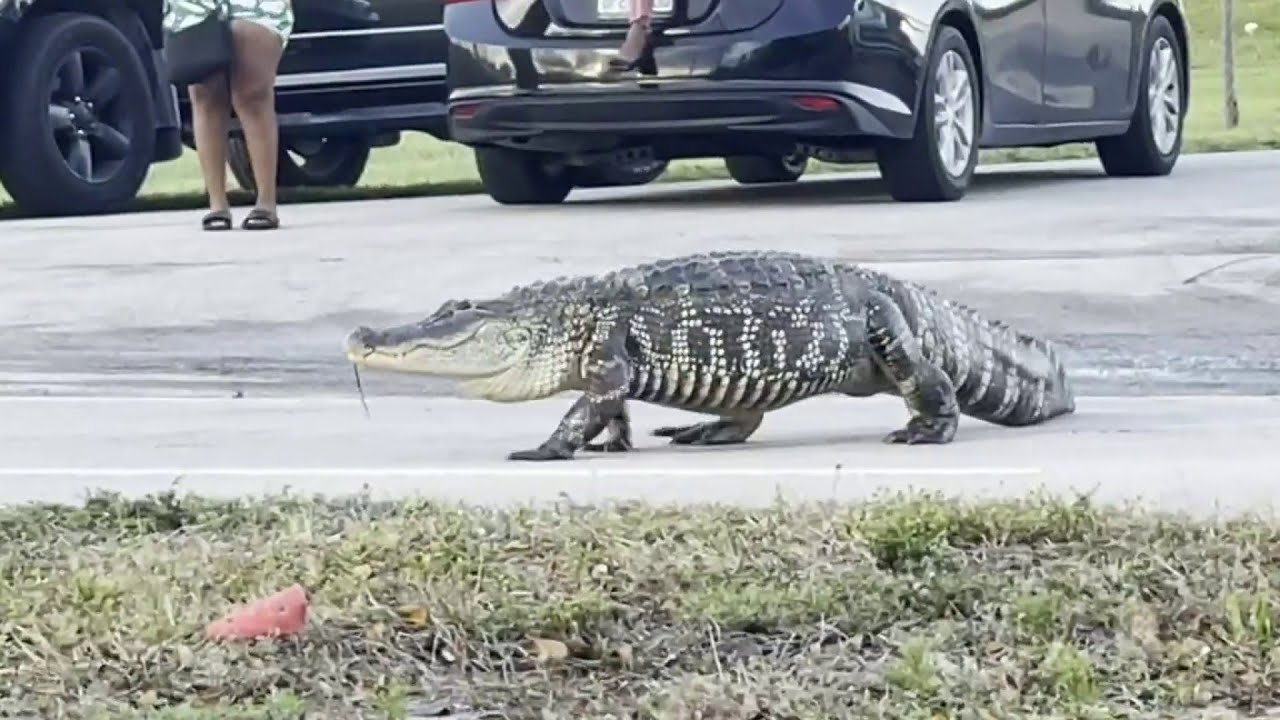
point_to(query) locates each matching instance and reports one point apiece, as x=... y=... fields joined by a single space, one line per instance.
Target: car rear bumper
x=813 y=109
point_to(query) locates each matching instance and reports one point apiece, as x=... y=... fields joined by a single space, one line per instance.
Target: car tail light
x=815 y=103
x=464 y=111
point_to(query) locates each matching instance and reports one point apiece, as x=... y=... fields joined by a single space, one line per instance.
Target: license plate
x=619 y=8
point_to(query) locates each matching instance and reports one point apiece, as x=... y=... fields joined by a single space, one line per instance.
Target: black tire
x=118 y=128
x=516 y=177
x=913 y=168
x=618 y=174
x=1136 y=153
x=325 y=162
x=754 y=170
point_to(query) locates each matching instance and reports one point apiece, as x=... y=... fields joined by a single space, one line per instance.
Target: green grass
x=421 y=165
x=909 y=607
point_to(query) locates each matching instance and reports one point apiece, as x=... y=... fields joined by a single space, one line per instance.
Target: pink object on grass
x=279 y=615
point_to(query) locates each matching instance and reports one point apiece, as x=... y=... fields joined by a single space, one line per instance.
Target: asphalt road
x=1155 y=287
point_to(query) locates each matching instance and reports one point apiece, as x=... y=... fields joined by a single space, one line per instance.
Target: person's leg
x=253 y=76
x=210 y=108
x=637 y=32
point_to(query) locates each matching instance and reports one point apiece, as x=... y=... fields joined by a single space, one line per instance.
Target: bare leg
x=253 y=78
x=210 y=108
x=638 y=31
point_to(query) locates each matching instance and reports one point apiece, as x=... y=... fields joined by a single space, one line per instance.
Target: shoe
x=644 y=61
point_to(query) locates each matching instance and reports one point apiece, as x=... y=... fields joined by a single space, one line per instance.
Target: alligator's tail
x=1000 y=375
x=1013 y=378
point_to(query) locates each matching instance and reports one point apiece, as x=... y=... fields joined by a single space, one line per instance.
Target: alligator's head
x=495 y=349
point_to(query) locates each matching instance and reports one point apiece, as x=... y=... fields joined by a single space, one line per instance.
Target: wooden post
x=1231 y=105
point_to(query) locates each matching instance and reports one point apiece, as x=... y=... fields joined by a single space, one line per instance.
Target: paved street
x=1165 y=294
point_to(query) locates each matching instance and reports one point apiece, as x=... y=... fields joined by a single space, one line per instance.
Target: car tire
x=755 y=170
x=320 y=162
x=618 y=174
x=1148 y=149
x=914 y=168
x=51 y=110
x=517 y=177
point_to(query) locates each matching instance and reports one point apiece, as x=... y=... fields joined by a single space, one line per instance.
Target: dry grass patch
x=909 y=607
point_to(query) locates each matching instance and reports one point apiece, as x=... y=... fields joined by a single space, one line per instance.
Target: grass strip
x=911 y=606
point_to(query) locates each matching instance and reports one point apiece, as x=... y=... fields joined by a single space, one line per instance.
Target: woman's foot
x=636 y=51
x=216 y=220
x=261 y=219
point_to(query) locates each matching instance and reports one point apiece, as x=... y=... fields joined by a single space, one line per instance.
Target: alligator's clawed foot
x=922 y=431
x=718 y=432
x=545 y=451
x=610 y=445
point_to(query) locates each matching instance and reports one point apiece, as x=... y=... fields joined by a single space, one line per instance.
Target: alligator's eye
x=516 y=337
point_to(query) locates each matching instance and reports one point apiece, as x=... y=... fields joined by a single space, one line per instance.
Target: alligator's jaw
x=375 y=350
x=508 y=381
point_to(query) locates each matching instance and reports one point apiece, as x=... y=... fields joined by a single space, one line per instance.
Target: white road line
x=561 y=472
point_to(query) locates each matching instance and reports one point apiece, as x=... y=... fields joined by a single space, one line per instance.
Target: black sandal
x=216 y=220
x=261 y=219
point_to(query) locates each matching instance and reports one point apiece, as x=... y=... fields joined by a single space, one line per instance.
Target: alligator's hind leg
x=927 y=391
x=618 y=435
x=725 y=431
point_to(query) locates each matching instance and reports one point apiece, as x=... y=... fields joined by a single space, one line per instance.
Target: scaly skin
x=732 y=334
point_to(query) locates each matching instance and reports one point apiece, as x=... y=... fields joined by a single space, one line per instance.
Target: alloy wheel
x=953 y=113
x=1164 y=99
x=86 y=118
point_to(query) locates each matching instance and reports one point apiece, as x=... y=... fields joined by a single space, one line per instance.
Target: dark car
x=356 y=73
x=919 y=85
x=354 y=76
x=85 y=103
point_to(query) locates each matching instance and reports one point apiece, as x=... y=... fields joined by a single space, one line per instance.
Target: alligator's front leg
x=602 y=405
x=928 y=392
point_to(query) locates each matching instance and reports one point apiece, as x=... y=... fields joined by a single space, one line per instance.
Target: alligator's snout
x=360 y=343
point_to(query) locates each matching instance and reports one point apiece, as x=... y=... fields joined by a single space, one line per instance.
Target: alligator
x=731 y=334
